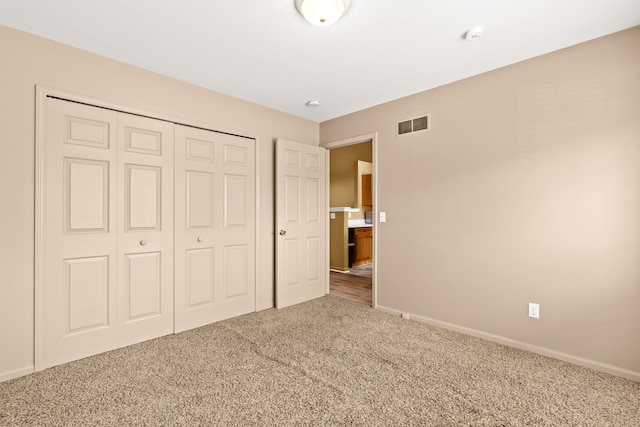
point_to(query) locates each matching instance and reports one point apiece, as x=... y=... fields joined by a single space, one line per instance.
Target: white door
x=145 y=228
x=79 y=233
x=107 y=227
x=301 y=216
x=215 y=227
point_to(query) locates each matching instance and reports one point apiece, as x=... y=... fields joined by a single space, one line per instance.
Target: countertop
x=344 y=209
x=357 y=223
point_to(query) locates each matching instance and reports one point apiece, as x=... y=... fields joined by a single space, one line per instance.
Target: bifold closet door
x=107 y=228
x=79 y=233
x=145 y=228
x=214 y=227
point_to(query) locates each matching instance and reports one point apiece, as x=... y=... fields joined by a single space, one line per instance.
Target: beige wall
x=28 y=60
x=343 y=172
x=527 y=188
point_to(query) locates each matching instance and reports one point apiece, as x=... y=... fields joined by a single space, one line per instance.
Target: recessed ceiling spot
x=313 y=103
x=473 y=33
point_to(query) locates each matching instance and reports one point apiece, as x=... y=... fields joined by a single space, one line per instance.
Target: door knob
x=143 y=242
x=199 y=239
x=283 y=232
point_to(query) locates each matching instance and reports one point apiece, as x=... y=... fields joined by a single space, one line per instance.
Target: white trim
x=576 y=360
x=351 y=141
x=327 y=226
x=16 y=373
x=42 y=92
x=358 y=139
x=38 y=320
x=256 y=171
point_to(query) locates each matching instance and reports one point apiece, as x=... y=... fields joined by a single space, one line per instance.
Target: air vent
x=413 y=125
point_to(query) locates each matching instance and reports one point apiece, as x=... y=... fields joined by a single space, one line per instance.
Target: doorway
x=352 y=201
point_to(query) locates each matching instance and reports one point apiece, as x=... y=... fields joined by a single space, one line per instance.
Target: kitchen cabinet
x=362 y=240
x=339 y=246
x=367 y=199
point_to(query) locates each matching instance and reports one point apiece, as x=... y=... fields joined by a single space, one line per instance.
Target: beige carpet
x=327 y=362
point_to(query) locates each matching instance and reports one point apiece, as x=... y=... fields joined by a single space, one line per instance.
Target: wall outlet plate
x=534 y=310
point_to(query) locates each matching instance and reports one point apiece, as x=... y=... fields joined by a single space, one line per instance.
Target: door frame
x=44 y=92
x=358 y=139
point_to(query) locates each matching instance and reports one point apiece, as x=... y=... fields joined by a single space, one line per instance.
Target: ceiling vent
x=414 y=125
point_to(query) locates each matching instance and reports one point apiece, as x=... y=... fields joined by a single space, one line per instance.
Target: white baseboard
x=588 y=363
x=6 y=376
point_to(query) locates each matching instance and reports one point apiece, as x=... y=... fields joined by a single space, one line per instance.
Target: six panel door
x=79 y=233
x=301 y=215
x=145 y=228
x=215 y=227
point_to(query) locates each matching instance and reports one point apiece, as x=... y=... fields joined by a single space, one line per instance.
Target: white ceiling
x=263 y=51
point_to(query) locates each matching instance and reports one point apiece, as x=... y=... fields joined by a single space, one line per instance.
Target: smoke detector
x=473 y=33
x=313 y=103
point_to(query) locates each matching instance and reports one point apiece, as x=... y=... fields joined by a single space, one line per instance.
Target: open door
x=301 y=220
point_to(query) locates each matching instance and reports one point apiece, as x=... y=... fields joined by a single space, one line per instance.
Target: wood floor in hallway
x=355 y=285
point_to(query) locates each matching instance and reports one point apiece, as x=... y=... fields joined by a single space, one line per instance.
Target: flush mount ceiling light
x=322 y=12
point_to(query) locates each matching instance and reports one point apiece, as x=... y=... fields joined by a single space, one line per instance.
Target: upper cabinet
x=367 y=199
x=361 y=199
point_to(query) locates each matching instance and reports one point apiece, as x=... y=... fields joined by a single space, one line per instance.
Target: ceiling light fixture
x=322 y=12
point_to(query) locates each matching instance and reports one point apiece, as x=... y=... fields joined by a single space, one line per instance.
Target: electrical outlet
x=534 y=310
x=406 y=316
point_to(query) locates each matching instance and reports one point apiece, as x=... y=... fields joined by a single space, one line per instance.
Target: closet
x=123 y=199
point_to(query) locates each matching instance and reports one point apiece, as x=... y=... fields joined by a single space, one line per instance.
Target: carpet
x=327 y=362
